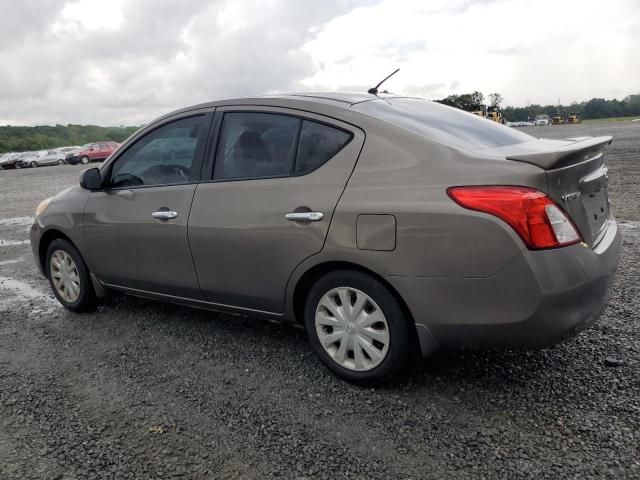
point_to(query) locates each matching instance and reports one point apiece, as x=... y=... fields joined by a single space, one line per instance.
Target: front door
x=276 y=180
x=136 y=228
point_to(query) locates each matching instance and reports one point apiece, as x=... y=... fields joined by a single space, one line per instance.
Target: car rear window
x=447 y=125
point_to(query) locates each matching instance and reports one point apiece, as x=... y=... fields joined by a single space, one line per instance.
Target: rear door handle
x=164 y=215
x=304 y=216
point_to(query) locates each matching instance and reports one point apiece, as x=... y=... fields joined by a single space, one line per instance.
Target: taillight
x=538 y=220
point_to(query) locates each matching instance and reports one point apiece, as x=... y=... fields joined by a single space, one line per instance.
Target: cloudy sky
x=116 y=62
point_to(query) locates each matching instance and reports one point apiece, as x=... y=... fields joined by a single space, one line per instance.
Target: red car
x=93 y=152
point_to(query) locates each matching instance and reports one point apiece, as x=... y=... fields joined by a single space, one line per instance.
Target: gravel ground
x=149 y=390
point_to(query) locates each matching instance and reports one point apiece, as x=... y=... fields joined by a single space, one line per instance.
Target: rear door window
x=256 y=145
x=267 y=145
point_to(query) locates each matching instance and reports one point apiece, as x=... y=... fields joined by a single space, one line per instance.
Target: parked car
x=92 y=152
x=69 y=158
x=6 y=156
x=56 y=156
x=32 y=159
x=382 y=224
x=13 y=161
x=65 y=151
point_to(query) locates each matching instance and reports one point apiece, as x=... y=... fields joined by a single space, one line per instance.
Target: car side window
x=318 y=143
x=254 y=145
x=163 y=156
x=263 y=145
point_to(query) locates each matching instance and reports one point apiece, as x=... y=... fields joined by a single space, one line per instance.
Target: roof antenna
x=374 y=90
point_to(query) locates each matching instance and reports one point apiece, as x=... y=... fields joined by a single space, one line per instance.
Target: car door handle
x=304 y=216
x=164 y=215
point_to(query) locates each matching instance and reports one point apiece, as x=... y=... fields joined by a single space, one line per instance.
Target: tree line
x=24 y=139
x=594 y=108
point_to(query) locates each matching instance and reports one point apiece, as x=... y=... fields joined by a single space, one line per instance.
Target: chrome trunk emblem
x=567 y=197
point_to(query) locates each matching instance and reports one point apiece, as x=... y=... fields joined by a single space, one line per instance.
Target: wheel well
x=48 y=237
x=313 y=274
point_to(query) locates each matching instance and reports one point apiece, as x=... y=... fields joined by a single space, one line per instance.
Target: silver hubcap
x=65 y=276
x=352 y=329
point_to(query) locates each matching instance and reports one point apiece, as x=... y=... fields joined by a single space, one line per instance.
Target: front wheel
x=60 y=162
x=69 y=277
x=84 y=160
x=357 y=327
x=33 y=164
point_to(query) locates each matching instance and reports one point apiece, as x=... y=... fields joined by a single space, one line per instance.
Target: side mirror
x=91 y=179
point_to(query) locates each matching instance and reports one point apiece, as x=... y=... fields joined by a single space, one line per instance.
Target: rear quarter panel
x=405 y=175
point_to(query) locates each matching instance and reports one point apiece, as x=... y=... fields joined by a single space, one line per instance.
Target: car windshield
x=443 y=124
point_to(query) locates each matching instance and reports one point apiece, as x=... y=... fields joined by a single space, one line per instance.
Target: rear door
x=274 y=184
x=102 y=152
x=136 y=229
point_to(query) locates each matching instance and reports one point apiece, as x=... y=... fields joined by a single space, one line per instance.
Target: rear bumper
x=538 y=299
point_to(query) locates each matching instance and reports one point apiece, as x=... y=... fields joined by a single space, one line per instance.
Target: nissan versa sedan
x=385 y=225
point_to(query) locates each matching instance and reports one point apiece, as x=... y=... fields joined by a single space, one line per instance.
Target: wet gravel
x=148 y=390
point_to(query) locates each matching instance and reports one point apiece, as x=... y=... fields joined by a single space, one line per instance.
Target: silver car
x=385 y=225
x=33 y=159
x=56 y=156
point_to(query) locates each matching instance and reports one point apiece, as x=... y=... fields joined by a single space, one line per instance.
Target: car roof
x=321 y=102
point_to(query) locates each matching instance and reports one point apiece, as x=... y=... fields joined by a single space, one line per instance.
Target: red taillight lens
x=538 y=220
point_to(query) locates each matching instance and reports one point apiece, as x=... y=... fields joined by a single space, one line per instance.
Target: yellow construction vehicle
x=574 y=118
x=558 y=119
x=490 y=113
x=495 y=115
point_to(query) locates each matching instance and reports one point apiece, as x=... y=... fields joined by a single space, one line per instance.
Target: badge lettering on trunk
x=567 y=197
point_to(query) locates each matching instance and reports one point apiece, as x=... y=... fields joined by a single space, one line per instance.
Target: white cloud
x=126 y=61
x=529 y=51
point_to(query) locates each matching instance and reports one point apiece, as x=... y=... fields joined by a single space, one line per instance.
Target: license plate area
x=596 y=207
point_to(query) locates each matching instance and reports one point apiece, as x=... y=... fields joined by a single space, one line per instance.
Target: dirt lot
x=148 y=390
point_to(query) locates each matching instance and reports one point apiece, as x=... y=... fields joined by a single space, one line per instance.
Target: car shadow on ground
x=198 y=330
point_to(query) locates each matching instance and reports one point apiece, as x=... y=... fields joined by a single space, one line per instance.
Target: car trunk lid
x=577 y=179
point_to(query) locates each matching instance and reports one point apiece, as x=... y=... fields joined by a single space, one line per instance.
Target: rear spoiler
x=580 y=149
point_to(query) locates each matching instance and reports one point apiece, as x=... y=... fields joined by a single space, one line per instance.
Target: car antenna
x=374 y=90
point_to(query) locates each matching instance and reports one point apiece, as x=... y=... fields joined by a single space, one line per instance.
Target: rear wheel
x=60 y=162
x=69 y=277
x=357 y=327
x=84 y=160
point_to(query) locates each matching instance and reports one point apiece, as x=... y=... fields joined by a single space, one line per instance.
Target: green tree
x=495 y=99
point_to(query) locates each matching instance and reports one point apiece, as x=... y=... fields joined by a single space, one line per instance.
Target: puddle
x=16 y=221
x=11 y=261
x=18 y=292
x=628 y=224
x=10 y=243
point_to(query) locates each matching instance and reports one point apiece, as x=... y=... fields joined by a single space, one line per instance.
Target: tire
x=60 y=162
x=33 y=164
x=83 y=297
x=84 y=160
x=374 y=299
